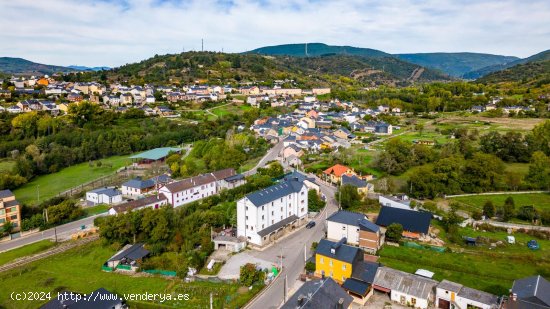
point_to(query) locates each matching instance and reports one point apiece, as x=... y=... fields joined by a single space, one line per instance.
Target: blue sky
x=115 y=32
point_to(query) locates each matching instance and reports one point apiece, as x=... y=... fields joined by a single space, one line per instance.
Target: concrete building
x=266 y=215
x=152 y=201
x=198 y=187
x=356 y=228
x=137 y=187
x=454 y=295
x=103 y=196
x=10 y=210
x=404 y=288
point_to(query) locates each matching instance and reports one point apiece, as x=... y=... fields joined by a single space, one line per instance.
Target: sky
x=115 y=32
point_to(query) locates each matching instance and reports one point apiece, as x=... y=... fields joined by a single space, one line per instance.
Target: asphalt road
x=272 y=154
x=292 y=248
x=63 y=232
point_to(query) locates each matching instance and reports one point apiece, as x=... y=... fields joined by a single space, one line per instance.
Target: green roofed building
x=154 y=155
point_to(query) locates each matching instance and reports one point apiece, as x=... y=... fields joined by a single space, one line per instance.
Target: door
x=444 y=304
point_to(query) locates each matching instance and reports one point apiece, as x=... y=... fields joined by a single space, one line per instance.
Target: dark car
x=310 y=224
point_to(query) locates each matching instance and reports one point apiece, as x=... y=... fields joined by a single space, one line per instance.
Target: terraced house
x=10 y=210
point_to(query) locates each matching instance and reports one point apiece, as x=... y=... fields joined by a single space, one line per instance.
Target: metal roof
x=356 y=286
x=318 y=294
x=403 y=282
x=156 y=154
x=342 y=252
x=353 y=180
x=534 y=289
x=365 y=271
x=139 y=183
x=102 y=299
x=106 y=191
x=274 y=192
x=347 y=217
x=5 y=193
x=131 y=252
x=412 y=221
x=272 y=228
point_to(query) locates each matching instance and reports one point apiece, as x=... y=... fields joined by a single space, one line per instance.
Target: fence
x=114 y=179
x=168 y=273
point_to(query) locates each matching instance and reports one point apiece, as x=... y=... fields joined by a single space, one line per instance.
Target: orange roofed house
x=334 y=174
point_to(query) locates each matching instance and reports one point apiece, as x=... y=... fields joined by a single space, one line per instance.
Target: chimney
x=341 y=303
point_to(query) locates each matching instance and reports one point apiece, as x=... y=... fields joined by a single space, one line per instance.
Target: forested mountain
x=316 y=49
x=545 y=55
x=307 y=72
x=25 y=67
x=453 y=64
x=456 y=64
x=535 y=73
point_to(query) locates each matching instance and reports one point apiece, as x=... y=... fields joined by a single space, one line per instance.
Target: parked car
x=310 y=224
x=533 y=244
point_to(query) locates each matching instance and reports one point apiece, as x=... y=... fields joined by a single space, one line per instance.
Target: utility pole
x=305 y=253
x=284 y=294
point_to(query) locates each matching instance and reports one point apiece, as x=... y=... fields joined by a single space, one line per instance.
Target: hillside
x=535 y=73
x=456 y=64
x=21 y=66
x=545 y=55
x=306 y=71
x=316 y=49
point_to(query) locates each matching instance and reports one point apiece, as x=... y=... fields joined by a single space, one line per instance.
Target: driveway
x=231 y=269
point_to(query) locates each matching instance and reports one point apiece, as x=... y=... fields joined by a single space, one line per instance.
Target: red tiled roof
x=338 y=170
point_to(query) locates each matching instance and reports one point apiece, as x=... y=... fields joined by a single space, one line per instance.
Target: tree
x=315 y=203
x=348 y=196
x=84 y=112
x=538 y=175
x=7 y=228
x=310 y=267
x=508 y=210
x=489 y=209
x=419 y=127
x=394 y=232
x=249 y=275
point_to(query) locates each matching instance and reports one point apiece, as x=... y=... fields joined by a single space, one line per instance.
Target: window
x=343 y=227
x=330 y=263
x=2 y=220
x=246 y=208
x=263 y=217
x=321 y=261
x=246 y=217
x=272 y=213
x=14 y=217
x=281 y=199
x=263 y=208
x=343 y=266
x=302 y=209
x=413 y=301
x=343 y=278
x=2 y=211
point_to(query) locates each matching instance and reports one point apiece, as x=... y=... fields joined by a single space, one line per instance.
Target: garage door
x=444 y=304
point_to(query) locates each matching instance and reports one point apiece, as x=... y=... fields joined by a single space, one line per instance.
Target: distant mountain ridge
x=453 y=64
x=456 y=64
x=316 y=49
x=85 y=68
x=542 y=56
x=22 y=66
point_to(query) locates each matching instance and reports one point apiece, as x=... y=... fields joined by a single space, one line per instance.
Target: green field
x=79 y=270
x=491 y=269
x=97 y=209
x=52 y=184
x=6 y=165
x=37 y=247
x=541 y=201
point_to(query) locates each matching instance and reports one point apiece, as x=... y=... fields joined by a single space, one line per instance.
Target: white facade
x=391 y=202
x=406 y=300
x=195 y=193
x=336 y=230
x=457 y=296
x=281 y=203
x=101 y=197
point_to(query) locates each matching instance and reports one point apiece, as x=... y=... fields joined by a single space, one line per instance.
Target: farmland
x=53 y=184
x=79 y=270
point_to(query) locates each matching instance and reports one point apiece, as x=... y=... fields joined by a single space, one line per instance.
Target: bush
x=394 y=232
x=310 y=267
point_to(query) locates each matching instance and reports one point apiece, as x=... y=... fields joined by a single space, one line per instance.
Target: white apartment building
x=266 y=215
x=195 y=188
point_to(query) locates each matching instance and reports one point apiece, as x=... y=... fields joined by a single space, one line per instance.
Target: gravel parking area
x=231 y=269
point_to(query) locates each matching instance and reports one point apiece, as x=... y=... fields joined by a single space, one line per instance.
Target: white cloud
x=115 y=32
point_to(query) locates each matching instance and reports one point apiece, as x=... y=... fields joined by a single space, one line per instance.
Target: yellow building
x=10 y=210
x=336 y=259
